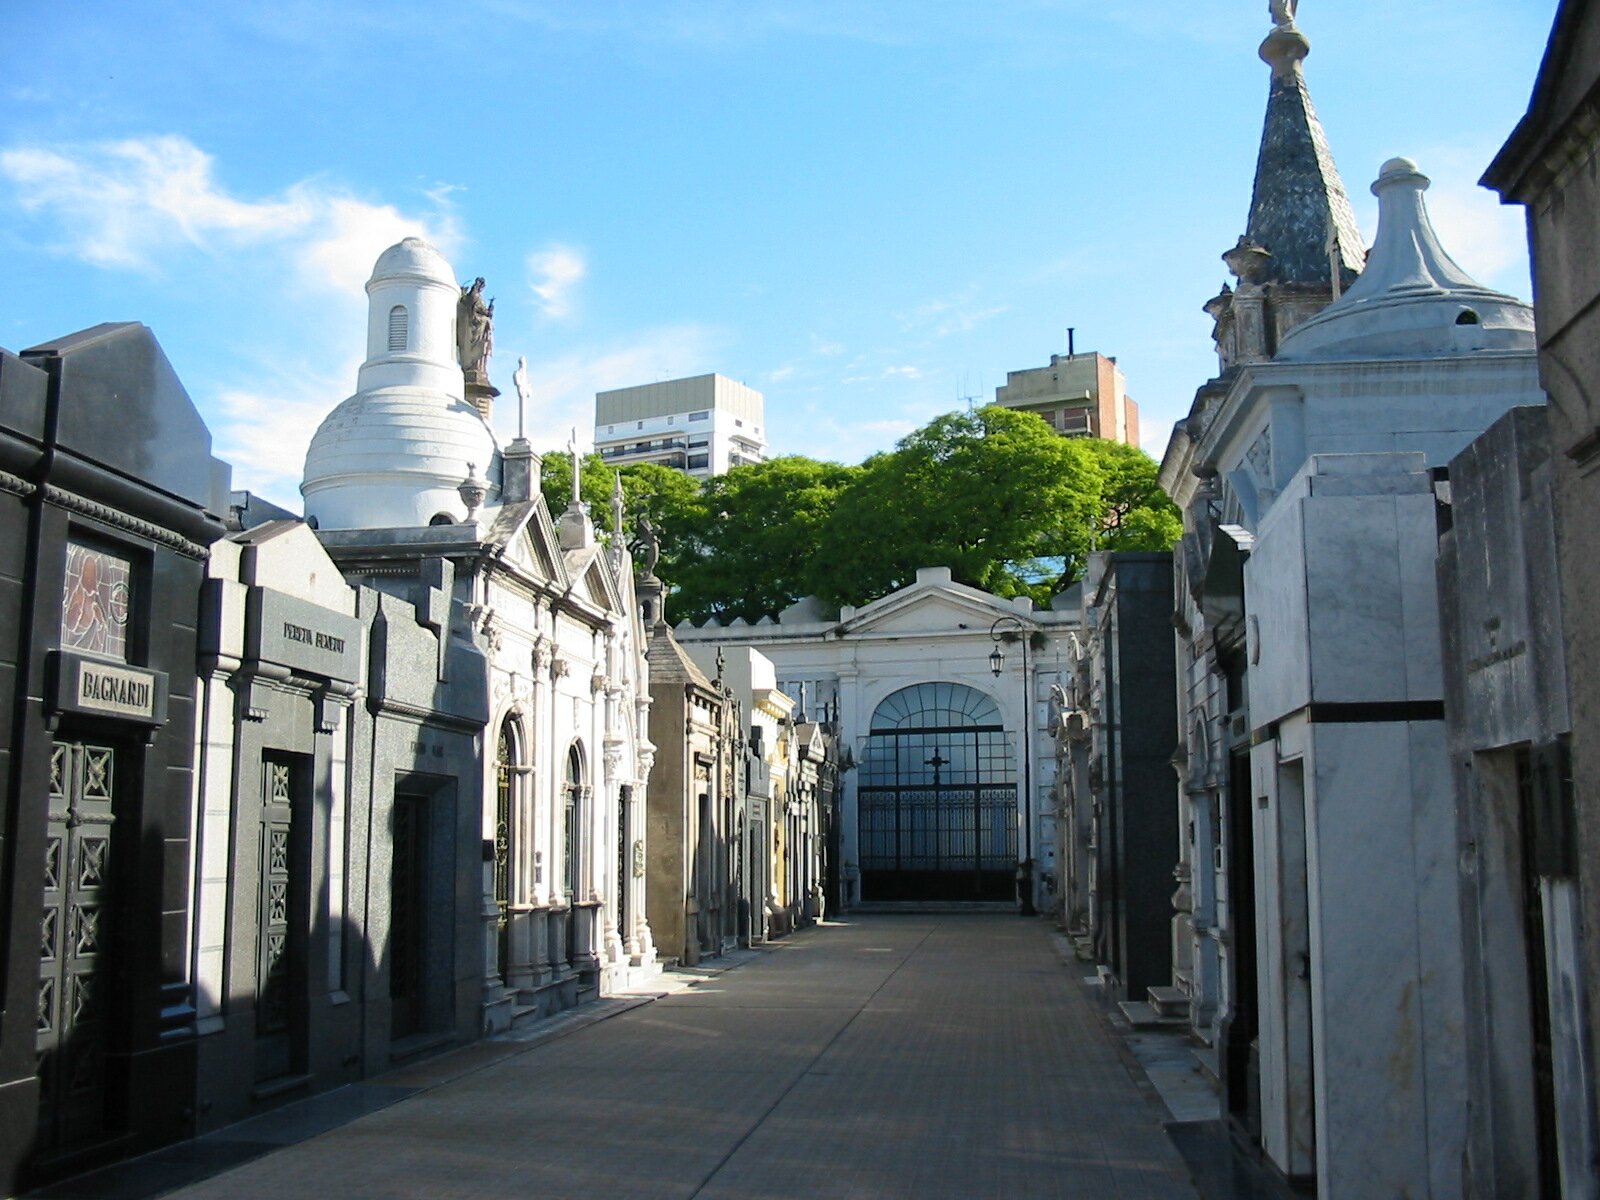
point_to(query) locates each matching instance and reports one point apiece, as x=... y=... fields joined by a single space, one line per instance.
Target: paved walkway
x=884 y=1056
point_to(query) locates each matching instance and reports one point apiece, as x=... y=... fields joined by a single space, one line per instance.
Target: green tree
x=670 y=498
x=759 y=539
x=998 y=497
x=1136 y=513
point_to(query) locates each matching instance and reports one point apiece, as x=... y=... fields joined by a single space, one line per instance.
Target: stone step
x=1209 y=1058
x=1169 y=1001
x=1142 y=1015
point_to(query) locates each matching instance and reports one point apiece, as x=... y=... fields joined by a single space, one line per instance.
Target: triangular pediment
x=541 y=548
x=928 y=607
x=592 y=581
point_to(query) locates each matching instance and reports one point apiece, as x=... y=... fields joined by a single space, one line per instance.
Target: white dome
x=393 y=454
x=1412 y=300
x=412 y=258
x=394 y=458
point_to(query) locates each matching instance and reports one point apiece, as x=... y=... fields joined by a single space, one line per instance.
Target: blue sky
x=866 y=210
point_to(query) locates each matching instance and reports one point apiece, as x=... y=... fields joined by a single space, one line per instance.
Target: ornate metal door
x=281 y=928
x=502 y=851
x=624 y=841
x=75 y=946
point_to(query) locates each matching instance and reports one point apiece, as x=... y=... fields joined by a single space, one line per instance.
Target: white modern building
x=702 y=425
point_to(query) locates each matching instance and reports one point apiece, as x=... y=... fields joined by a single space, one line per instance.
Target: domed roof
x=412 y=258
x=394 y=454
x=1412 y=300
x=394 y=458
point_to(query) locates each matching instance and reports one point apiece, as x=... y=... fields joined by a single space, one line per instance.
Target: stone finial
x=472 y=490
x=1286 y=47
x=1246 y=259
x=616 y=506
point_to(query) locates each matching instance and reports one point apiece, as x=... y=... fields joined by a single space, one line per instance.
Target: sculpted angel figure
x=475 y=329
x=649 y=544
x=1283 y=11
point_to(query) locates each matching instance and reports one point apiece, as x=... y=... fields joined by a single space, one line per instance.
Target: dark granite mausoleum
x=109 y=498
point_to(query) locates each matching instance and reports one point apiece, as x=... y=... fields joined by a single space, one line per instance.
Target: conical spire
x=1299 y=211
x=1301 y=246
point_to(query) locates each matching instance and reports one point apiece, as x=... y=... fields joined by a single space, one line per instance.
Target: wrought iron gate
x=502 y=851
x=75 y=945
x=937 y=801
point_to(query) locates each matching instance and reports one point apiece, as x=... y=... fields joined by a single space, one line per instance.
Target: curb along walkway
x=925 y=1055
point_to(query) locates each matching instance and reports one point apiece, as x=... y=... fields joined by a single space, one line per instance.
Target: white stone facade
x=933 y=630
x=412 y=494
x=1310 y=707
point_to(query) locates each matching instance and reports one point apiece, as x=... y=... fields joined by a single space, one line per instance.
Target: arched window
x=937 y=798
x=571 y=814
x=399 y=329
x=508 y=757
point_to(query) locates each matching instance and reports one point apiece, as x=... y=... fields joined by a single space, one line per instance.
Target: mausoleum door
x=408 y=883
x=77 y=1005
x=283 y=917
x=937 y=801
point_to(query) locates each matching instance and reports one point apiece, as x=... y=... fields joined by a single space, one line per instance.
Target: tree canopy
x=994 y=494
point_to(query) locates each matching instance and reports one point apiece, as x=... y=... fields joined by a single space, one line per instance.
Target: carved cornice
x=117 y=519
x=16 y=484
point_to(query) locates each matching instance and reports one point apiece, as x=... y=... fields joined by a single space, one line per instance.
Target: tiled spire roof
x=1298 y=194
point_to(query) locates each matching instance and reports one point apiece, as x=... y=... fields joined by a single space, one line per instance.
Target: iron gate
x=937 y=801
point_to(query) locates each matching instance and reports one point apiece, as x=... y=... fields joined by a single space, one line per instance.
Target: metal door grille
x=281 y=933
x=75 y=944
x=937 y=802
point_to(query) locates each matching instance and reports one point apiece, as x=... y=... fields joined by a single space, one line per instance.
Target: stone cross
x=519 y=377
x=572 y=448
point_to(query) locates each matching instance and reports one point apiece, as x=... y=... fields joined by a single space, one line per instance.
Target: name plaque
x=102 y=689
x=304 y=637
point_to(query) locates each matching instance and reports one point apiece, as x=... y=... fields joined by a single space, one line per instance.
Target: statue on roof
x=475 y=330
x=649 y=544
x=1283 y=11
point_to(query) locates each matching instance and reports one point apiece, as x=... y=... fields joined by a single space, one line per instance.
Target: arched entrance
x=509 y=766
x=937 y=798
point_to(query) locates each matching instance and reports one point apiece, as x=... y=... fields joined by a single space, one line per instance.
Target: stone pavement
x=931 y=1055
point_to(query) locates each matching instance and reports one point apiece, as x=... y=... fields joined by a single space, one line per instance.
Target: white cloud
x=949 y=315
x=264 y=430
x=553 y=273
x=132 y=203
x=905 y=372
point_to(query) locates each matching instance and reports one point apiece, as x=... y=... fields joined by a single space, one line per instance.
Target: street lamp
x=1016 y=630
